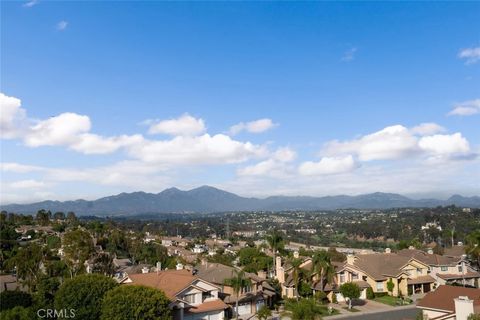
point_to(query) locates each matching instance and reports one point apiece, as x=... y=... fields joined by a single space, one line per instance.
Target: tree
x=27 y=262
x=72 y=218
x=473 y=246
x=305 y=309
x=77 y=246
x=45 y=294
x=12 y=299
x=350 y=291
x=237 y=282
x=275 y=241
x=135 y=302
x=59 y=215
x=103 y=264
x=264 y=313
x=85 y=294
x=17 y=313
x=370 y=293
x=43 y=217
x=322 y=266
x=390 y=286
x=296 y=270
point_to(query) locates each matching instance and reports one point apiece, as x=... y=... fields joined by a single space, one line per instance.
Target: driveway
x=390 y=313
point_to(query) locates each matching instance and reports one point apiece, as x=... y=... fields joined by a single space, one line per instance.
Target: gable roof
x=430 y=258
x=169 y=281
x=380 y=266
x=443 y=298
x=217 y=273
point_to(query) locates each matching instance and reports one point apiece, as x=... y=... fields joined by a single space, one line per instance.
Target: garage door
x=244 y=309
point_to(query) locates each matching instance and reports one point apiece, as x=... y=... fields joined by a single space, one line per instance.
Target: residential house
x=446 y=269
x=251 y=298
x=408 y=274
x=450 y=303
x=191 y=298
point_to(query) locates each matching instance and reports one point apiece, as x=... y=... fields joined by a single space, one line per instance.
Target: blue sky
x=324 y=98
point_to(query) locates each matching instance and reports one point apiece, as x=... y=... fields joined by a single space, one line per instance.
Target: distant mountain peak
x=210 y=199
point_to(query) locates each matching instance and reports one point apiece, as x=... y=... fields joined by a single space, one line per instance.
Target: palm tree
x=296 y=270
x=322 y=266
x=237 y=282
x=275 y=241
x=473 y=246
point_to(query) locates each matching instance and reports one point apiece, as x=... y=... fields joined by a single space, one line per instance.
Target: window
x=444 y=268
x=190 y=298
x=207 y=295
x=419 y=271
x=342 y=277
x=354 y=276
x=379 y=286
x=460 y=269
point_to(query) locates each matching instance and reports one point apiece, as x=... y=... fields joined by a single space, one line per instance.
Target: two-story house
x=446 y=269
x=251 y=298
x=191 y=298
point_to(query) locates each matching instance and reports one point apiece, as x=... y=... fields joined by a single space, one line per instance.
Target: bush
x=370 y=294
x=320 y=296
x=264 y=313
x=135 y=302
x=334 y=297
x=84 y=294
x=380 y=294
x=17 y=313
x=12 y=299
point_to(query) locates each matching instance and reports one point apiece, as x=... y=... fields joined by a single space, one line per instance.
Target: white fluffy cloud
x=470 y=55
x=94 y=144
x=204 y=149
x=466 y=108
x=12 y=117
x=27 y=184
x=444 y=144
x=427 y=129
x=18 y=167
x=276 y=166
x=63 y=129
x=257 y=126
x=186 y=125
x=389 y=143
x=397 y=142
x=327 y=166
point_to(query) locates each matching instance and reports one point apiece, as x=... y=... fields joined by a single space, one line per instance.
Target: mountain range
x=208 y=199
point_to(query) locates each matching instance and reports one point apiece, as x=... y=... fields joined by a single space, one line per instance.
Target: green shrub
x=12 y=299
x=17 y=313
x=135 y=302
x=84 y=294
x=370 y=294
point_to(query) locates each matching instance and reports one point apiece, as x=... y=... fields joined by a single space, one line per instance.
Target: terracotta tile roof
x=380 y=266
x=421 y=279
x=208 y=306
x=217 y=273
x=467 y=275
x=169 y=281
x=430 y=259
x=455 y=251
x=442 y=298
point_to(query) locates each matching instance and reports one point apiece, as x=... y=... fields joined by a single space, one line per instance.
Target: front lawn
x=392 y=301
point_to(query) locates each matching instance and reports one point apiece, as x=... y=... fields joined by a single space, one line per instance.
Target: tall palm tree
x=296 y=270
x=473 y=246
x=238 y=281
x=322 y=266
x=275 y=241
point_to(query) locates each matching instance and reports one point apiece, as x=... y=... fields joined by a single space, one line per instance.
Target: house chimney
x=411 y=248
x=388 y=250
x=350 y=259
x=145 y=270
x=179 y=266
x=296 y=255
x=463 y=307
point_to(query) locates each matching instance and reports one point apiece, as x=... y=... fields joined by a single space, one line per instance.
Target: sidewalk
x=348 y=314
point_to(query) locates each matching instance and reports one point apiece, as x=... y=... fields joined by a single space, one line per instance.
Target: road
x=398 y=313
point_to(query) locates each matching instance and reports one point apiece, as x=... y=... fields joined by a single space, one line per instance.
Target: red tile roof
x=209 y=306
x=169 y=281
x=442 y=298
